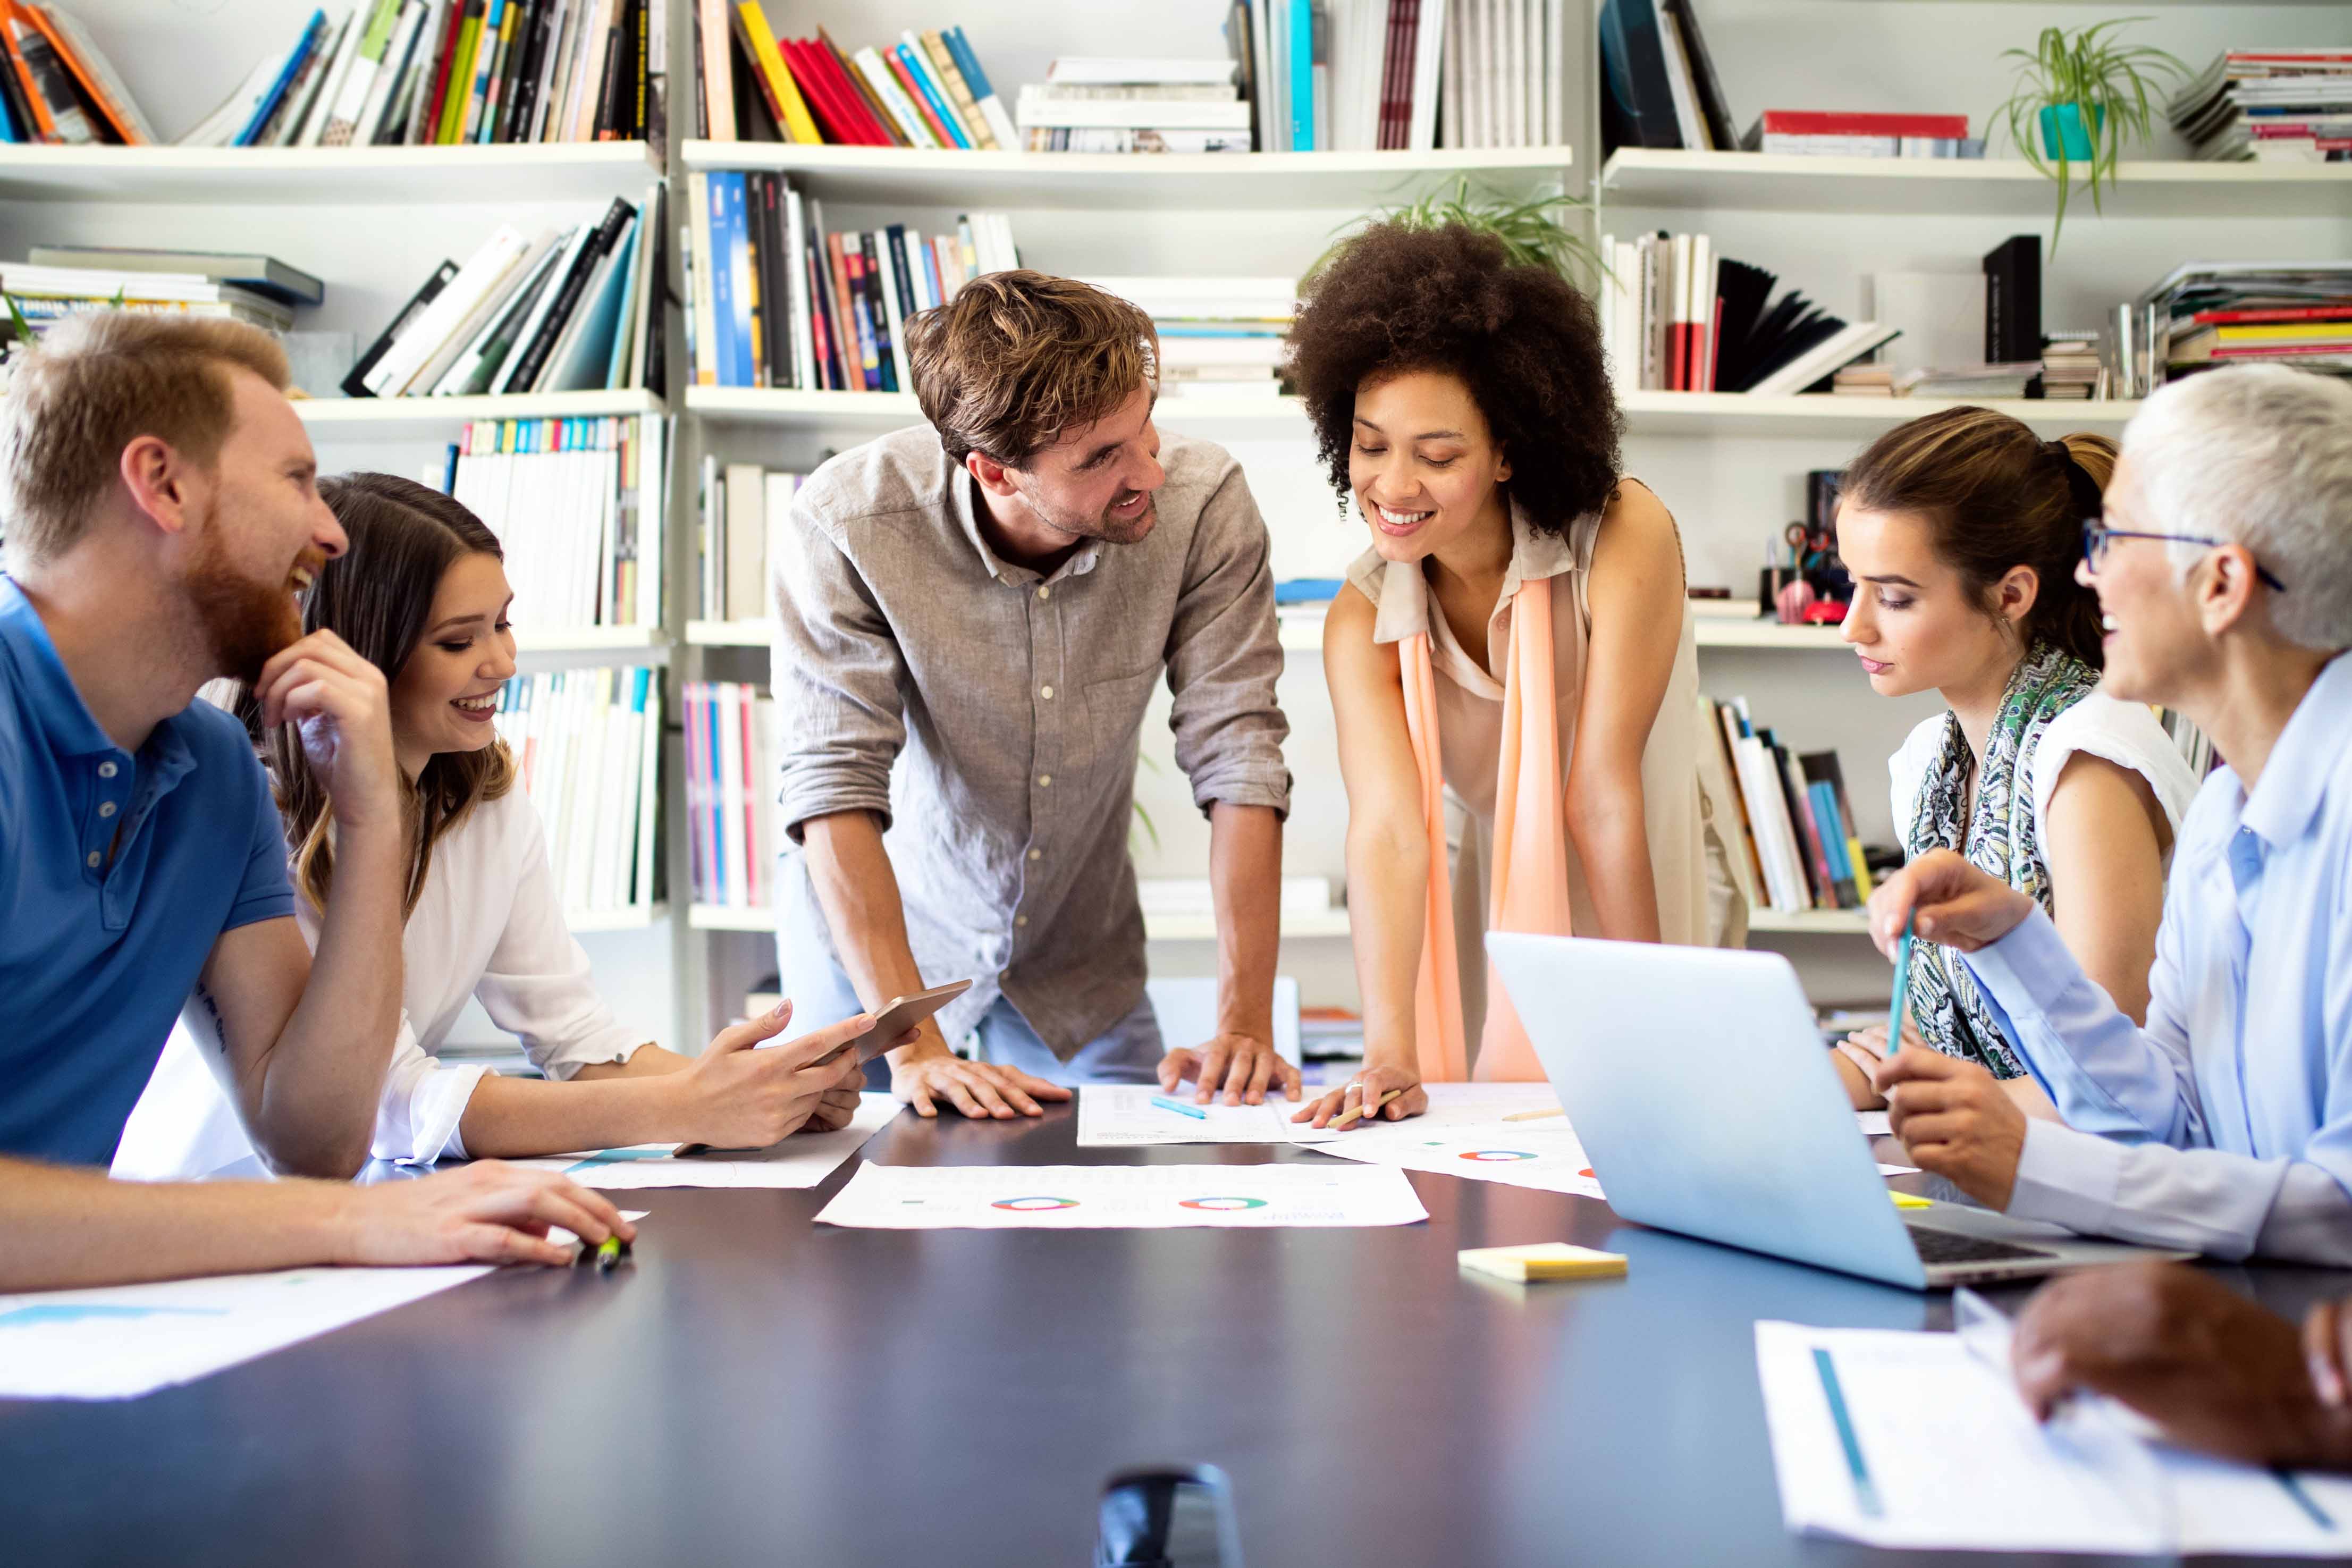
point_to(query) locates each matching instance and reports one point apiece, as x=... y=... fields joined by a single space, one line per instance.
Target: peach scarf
x=1530 y=874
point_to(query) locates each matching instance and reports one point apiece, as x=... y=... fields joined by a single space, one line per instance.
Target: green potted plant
x=1532 y=230
x=2078 y=95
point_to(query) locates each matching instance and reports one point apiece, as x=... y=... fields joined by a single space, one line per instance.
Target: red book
x=836 y=122
x=1395 y=72
x=1816 y=122
x=2341 y=311
x=1713 y=345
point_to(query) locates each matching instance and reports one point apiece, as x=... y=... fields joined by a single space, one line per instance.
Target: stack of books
x=776 y=300
x=1677 y=317
x=453 y=72
x=588 y=743
x=730 y=762
x=1219 y=337
x=569 y=311
x=2272 y=105
x=1969 y=382
x=1865 y=381
x=742 y=506
x=1813 y=133
x=577 y=506
x=1506 y=73
x=2212 y=313
x=1090 y=105
x=1799 y=848
x=50 y=292
x=56 y=85
x=2071 y=366
x=926 y=91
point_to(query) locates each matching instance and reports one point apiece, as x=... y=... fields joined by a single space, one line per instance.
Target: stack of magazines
x=2272 y=105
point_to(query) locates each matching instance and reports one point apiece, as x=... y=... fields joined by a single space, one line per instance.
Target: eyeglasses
x=2096 y=536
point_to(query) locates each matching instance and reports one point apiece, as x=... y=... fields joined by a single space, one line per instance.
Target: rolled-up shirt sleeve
x=2134 y=1161
x=837 y=675
x=1224 y=656
x=416 y=1120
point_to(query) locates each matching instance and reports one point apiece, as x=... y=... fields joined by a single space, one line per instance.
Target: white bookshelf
x=590 y=640
x=337 y=176
x=1810 y=922
x=1096 y=182
x=378 y=416
x=1650 y=179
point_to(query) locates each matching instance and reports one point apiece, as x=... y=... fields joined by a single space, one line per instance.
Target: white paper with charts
x=118 y=1341
x=1909 y=1440
x=1468 y=1132
x=1122 y=1116
x=1141 y=1197
x=803 y=1160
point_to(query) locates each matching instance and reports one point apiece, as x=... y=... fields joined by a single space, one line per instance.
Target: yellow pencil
x=1349 y=1119
x=1533 y=1115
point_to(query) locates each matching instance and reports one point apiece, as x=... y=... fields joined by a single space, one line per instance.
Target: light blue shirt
x=2226 y=1124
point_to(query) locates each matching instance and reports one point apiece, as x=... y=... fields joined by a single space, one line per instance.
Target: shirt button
x=1021 y=919
x=106 y=809
x=106 y=770
x=1045 y=593
x=1045 y=781
x=1036 y=854
x=94 y=858
x=1046 y=693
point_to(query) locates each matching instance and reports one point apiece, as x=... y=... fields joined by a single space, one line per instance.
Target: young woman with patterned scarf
x=1963 y=531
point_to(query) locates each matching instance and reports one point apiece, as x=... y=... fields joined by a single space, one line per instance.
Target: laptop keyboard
x=1950 y=1247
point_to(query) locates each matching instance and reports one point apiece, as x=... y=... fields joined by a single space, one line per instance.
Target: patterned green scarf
x=1947 y=1009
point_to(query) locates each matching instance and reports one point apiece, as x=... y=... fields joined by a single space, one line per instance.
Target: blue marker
x=1179 y=1108
x=1902 y=987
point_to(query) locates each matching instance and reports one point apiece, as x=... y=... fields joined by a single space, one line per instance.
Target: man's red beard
x=245 y=623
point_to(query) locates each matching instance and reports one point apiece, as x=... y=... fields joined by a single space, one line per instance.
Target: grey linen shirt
x=991 y=716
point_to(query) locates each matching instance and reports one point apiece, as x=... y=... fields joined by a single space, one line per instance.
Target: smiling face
x=446 y=692
x=1914 y=622
x=1423 y=464
x=1097 y=482
x=2154 y=641
x=264 y=532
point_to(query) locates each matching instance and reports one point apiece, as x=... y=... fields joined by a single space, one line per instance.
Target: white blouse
x=2125 y=733
x=488 y=924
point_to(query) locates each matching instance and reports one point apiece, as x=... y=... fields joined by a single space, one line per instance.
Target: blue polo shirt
x=99 y=952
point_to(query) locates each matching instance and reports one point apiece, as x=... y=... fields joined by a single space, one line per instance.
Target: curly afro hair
x=1520 y=337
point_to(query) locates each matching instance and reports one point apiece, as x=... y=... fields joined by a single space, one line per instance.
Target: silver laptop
x=1699 y=1085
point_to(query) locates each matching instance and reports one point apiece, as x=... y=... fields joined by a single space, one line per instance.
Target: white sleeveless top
x=1470 y=734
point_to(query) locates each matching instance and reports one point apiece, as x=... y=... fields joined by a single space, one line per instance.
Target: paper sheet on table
x=1121 y=1116
x=118 y=1341
x=1466 y=1132
x=803 y=1160
x=1938 y=1451
x=1142 y=1198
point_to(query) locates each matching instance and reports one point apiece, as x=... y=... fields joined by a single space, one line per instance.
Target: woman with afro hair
x=1512 y=669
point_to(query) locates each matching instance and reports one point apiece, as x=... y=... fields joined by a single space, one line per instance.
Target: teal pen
x=1902 y=987
x=1179 y=1108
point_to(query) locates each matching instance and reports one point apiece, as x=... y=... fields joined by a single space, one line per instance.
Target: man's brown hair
x=94 y=384
x=1017 y=358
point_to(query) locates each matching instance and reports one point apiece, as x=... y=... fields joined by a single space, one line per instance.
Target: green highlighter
x=1902 y=986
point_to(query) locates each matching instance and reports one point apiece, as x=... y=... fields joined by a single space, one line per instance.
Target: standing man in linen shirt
x=2224 y=566
x=996 y=597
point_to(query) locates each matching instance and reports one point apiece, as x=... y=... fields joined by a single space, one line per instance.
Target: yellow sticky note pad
x=1910 y=1199
x=1544 y=1260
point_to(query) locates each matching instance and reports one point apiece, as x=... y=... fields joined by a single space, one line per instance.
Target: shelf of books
x=334 y=176
x=345 y=414
x=1099 y=181
x=1832 y=414
x=1651 y=178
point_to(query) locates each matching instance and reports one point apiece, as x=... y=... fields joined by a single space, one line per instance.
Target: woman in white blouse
x=1963 y=530
x=422 y=592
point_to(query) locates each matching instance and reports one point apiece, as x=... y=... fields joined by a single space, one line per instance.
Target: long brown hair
x=1993 y=495
x=377 y=596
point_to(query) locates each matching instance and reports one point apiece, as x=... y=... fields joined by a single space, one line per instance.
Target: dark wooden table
x=759 y=1390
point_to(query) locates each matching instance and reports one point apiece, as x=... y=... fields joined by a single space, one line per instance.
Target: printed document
x=803 y=1160
x=1141 y=1197
x=1912 y=1440
x=1122 y=1116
